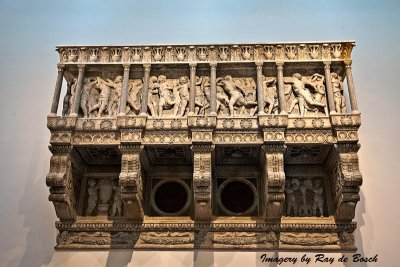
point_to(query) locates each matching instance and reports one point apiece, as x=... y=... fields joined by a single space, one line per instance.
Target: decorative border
x=139 y=54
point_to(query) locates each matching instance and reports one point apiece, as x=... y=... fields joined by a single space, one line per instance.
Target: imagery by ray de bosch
x=318 y=258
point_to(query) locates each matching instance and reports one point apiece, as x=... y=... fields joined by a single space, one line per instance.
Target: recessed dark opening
x=170 y=197
x=237 y=197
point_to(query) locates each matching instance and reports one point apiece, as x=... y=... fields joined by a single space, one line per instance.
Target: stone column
x=130 y=180
x=124 y=91
x=60 y=180
x=350 y=86
x=281 y=88
x=213 y=89
x=348 y=180
x=329 y=90
x=274 y=181
x=78 y=93
x=192 y=91
x=260 y=90
x=145 y=92
x=202 y=166
x=57 y=90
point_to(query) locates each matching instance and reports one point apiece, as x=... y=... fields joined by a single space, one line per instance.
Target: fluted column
x=57 y=90
x=329 y=90
x=260 y=91
x=145 y=93
x=78 y=93
x=192 y=88
x=350 y=86
x=213 y=89
x=281 y=88
x=124 y=91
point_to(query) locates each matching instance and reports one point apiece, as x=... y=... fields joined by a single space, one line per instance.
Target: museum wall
x=30 y=31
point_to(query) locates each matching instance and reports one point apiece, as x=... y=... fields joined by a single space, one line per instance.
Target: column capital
x=147 y=67
x=126 y=66
x=259 y=63
x=279 y=64
x=81 y=67
x=192 y=64
x=60 y=67
x=348 y=63
x=327 y=64
x=213 y=64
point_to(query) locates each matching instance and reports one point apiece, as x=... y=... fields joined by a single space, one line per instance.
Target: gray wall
x=31 y=29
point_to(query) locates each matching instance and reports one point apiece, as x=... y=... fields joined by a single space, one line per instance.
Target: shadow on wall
x=119 y=258
x=38 y=212
x=360 y=211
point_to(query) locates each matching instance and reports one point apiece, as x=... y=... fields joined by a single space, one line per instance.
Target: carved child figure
x=339 y=99
x=132 y=100
x=318 y=202
x=66 y=102
x=104 y=97
x=116 y=206
x=92 y=197
x=270 y=94
x=166 y=98
x=153 y=96
x=183 y=89
x=305 y=208
x=290 y=189
x=88 y=84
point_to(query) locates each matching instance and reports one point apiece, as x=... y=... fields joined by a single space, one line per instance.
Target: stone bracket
x=130 y=180
x=202 y=184
x=274 y=181
x=59 y=181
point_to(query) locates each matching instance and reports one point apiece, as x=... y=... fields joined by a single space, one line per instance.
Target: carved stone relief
x=306 y=94
x=236 y=96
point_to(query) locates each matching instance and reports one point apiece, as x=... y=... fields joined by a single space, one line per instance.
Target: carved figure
x=116 y=206
x=106 y=187
x=318 y=81
x=134 y=89
x=337 y=88
x=115 y=95
x=183 y=89
x=166 y=96
x=66 y=100
x=200 y=101
x=270 y=94
x=92 y=197
x=153 y=96
x=222 y=99
x=305 y=208
x=104 y=97
x=303 y=98
x=73 y=94
x=318 y=202
x=88 y=84
x=290 y=189
x=235 y=92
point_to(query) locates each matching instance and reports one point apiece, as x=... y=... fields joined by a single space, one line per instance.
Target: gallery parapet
x=207 y=53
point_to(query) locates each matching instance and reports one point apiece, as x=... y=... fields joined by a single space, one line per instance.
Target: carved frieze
x=207 y=53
